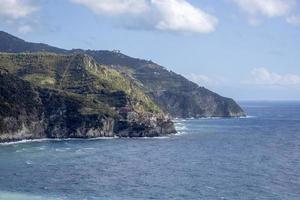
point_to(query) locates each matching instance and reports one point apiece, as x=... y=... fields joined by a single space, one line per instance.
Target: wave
x=241 y=117
x=247 y=117
x=28 y=162
x=20 y=150
x=23 y=196
x=24 y=141
x=178 y=121
x=147 y=138
x=62 y=149
x=73 y=139
x=180 y=128
x=42 y=148
x=180 y=133
x=159 y=138
x=102 y=138
x=85 y=150
x=53 y=139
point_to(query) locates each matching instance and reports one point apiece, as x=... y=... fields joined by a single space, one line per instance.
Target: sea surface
x=257 y=157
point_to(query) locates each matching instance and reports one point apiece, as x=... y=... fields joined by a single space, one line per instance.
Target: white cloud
x=266 y=8
x=264 y=77
x=16 y=14
x=16 y=9
x=269 y=8
x=179 y=15
x=199 y=78
x=204 y=80
x=294 y=20
x=253 y=21
x=24 y=29
x=163 y=15
x=114 y=7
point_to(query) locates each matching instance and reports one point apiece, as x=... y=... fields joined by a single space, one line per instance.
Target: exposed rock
x=28 y=111
x=172 y=92
x=87 y=94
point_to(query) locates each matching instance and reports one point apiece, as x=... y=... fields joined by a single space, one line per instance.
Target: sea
x=249 y=158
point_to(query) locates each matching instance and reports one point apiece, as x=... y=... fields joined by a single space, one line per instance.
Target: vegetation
x=144 y=83
x=79 y=74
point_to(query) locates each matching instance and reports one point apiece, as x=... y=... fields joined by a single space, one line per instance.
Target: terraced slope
x=173 y=93
x=77 y=84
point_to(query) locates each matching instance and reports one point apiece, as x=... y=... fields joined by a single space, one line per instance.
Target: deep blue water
x=252 y=158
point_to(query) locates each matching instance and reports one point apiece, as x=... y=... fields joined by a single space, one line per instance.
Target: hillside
x=173 y=93
x=79 y=74
x=73 y=96
x=30 y=112
x=12 y=44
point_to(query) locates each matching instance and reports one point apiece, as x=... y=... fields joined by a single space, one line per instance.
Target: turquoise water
x=248 y=158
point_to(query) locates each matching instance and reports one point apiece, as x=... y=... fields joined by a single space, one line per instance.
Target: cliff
x=174 y=94
x=71 y=96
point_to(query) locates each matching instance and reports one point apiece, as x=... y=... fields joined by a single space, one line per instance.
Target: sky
x=244 y=49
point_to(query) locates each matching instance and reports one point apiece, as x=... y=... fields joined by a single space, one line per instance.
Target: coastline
x=54 y=139
x=82 y=139
x=180 y=132
x=175 y=120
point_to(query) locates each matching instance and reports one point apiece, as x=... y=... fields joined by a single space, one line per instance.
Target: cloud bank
x=204 y=80
x=16 y=14
x=294 y=20
x=114 y=7
x=262 y=76
x=269 y=8
x=15 y=9
x=266 y=8
x=162 y=15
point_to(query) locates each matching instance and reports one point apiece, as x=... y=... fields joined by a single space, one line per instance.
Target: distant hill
x=173 y=93
x=12 y=44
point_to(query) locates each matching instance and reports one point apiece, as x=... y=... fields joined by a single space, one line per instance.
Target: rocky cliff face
x=20 y=109
x=54 y=96
x=173 y=93
x=86 y=94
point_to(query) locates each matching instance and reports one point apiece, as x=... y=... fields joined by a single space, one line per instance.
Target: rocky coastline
x=47 y=92
x=28 y=112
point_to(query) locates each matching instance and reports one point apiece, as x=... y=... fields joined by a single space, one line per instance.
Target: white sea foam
x=20 y=150
x=41 y=148
x=89 y=148
x=180 y=133
x=104 y=138
x=211 y=188
x=148 y=138
x=161 y=137
x=247 y=117
x=178 y=121
x=78 y=151
x=55 y=139
x=180 y=127
x=73 y=139
x=85 y=150
x=24 y=141
x=28 y=162
x=62 y=149
x=21 y=196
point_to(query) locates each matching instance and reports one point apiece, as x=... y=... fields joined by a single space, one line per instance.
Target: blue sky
x=245 y=49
